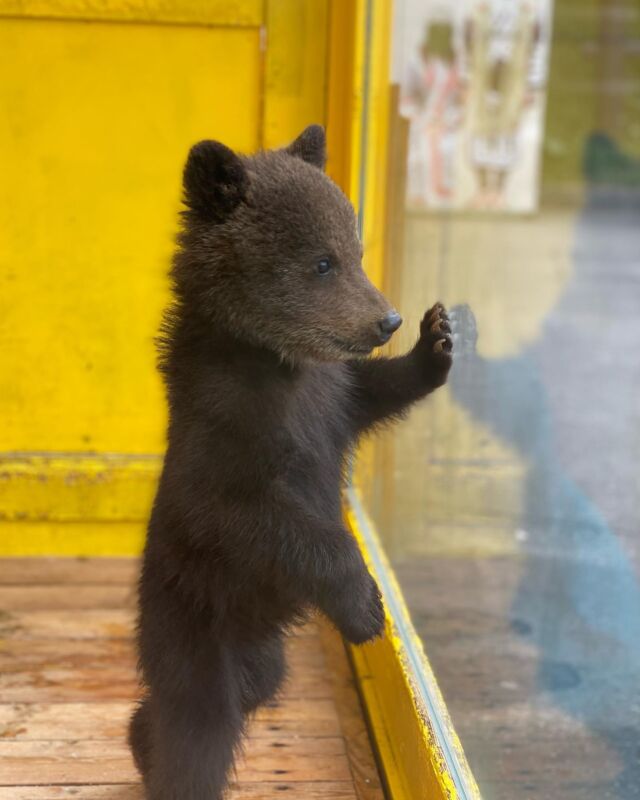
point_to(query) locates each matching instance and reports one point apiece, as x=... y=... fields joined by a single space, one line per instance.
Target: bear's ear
x=310 y=146
x=215 y=181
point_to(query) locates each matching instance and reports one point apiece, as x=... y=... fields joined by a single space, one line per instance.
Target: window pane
x=509 y=501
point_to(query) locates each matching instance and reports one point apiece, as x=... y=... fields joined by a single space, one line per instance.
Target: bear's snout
x=388 y=325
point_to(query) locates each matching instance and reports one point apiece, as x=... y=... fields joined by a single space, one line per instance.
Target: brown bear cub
x=264 y=352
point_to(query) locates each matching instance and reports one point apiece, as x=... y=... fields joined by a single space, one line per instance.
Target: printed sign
x=472 y=76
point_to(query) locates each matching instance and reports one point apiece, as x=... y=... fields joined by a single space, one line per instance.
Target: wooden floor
x=67 y=683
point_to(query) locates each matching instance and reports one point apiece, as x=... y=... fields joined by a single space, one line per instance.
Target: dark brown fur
x=269 y=388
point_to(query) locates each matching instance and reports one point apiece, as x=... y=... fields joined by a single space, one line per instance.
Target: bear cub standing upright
x=264 y=353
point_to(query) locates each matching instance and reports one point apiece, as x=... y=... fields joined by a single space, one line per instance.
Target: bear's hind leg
x=140 y=737
x=196 y=726
x=262 y=669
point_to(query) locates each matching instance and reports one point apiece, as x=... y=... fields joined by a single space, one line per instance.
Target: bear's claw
x=436 y=343
x=442 y=346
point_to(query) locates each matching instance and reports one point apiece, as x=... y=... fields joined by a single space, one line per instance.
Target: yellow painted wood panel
x=95 y=126
x=296 y=68
x=77 y=488
x=28 y=538
x=200 y=12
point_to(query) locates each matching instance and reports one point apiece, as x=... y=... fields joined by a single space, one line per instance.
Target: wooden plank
x=98 y=685
x=28 y=654
x=67 y=571
x=108 y=720
x=58 y=670
x=91 y=624
x=67 y=683
x=318 y=790
x=109 y=761
x=86 y=624
x=118 y=791
x=110 y=680
x=68 y=686
x=30 y=598
x=364 y=771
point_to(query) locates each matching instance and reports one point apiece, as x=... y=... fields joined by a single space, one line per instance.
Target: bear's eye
x=323 y=266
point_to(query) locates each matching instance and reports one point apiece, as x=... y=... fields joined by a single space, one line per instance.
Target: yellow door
x=100 y=104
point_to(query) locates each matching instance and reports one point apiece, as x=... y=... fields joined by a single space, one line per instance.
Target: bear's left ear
x=310 y=146
x=215 y=181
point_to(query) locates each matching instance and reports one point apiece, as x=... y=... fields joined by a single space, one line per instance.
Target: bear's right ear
x=215 y=181
x=310 y=146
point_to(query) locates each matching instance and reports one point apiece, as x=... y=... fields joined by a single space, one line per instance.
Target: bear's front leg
x=351 y=598
x=271 y=532
x=384 y=388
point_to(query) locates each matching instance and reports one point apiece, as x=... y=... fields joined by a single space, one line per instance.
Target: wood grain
x=105 y=720
x=363 y=767
x=316 y=790
x=27 y=598
x=68 y=683
x=109 y=761
x=68 y=571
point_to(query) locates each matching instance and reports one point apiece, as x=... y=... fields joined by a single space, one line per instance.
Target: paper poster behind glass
x=472 y=76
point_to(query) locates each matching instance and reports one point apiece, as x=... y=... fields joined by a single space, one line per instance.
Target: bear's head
x=270 y=253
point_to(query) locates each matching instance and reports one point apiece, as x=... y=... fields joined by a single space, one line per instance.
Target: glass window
x=509 y=501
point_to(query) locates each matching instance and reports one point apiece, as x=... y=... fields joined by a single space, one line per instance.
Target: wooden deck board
x=107 y=720
x=67 y=684
x=316 y=790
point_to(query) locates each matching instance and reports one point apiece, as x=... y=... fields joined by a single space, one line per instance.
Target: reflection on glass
x=509 y=503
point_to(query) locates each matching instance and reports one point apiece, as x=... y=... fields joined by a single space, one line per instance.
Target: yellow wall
x=100 y=105
x=98 y=120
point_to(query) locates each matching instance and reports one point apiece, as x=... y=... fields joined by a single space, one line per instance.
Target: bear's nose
x=389 y=324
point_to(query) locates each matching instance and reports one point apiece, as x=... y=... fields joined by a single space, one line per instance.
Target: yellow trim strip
x=76 y=488
x=233 y=13
x=71 y=539
x=419 y=751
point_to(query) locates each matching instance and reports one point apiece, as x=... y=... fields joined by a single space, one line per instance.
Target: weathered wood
x=76 y=624
x=44 y=685
x=105 y=720
x=68 y=683
x=117 y=791
x=28 y=653
x=363 y=768
x=68 y=571
x=109 y=761
x=71 y=670
x=317 y=790
x=86 y=624
x=25 y=598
